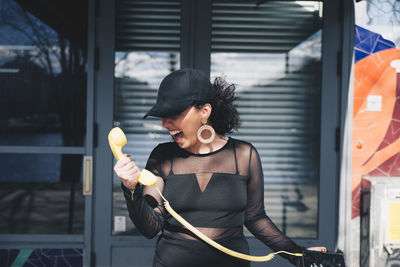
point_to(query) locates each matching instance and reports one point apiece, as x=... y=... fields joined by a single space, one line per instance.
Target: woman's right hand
x=127 y=172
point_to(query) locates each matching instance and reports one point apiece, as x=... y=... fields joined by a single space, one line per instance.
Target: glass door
x=44 y=134
x=280 y=61
x=139 y=68
x=279 y=106
x=272 y=51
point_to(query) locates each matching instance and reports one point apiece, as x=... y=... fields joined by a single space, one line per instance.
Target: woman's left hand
x=319 y=249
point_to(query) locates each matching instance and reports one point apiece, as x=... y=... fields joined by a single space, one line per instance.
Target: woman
x=213 y=181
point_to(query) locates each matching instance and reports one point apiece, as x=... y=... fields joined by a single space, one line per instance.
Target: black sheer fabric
x=218 y=193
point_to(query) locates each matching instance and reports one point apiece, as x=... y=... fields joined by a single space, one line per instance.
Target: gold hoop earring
x=203 y=128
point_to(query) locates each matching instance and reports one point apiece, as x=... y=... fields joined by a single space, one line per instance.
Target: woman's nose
x=165 y=122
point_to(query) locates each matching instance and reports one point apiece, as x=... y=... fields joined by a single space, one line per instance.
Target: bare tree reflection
x=50 y=86
x=384 y=12
x=64 y=63
x=388 y=8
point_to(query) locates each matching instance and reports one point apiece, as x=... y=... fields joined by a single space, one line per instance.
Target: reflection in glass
x=147 y=42
x=35 y=200
x=274 y=58
x=42 y=73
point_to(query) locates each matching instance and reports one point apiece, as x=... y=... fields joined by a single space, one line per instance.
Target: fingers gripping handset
x=117 y=139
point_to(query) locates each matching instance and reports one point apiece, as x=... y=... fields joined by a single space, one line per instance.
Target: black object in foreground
x=314 y=258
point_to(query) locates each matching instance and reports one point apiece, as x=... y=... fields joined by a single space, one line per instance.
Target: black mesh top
x=218 y=193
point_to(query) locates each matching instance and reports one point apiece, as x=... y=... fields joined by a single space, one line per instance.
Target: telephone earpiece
x=117 y=140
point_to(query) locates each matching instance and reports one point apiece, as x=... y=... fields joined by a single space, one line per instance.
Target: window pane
x=147 y=49
x=42 y=74
x=137 y=76
x=272 y=51
x=41 y=194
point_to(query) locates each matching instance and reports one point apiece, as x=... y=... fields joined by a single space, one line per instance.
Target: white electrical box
x=380 y=222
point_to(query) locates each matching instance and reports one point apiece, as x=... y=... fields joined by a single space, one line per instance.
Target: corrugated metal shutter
x=149 y=32
x=271 y=26
x=148 y=25
x=134 y=100
x=152 y=28
x=281 y=118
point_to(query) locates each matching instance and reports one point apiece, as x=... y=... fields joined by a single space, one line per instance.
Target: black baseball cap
x=180 y=89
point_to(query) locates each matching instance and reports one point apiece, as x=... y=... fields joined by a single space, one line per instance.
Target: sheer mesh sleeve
x=256 y=221
x=145 y=208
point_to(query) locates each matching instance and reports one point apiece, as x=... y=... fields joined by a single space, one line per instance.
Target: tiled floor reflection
x=8 y=256
x=41 y=257
x=41 y=208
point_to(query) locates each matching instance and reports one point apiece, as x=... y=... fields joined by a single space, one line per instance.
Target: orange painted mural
x=376 y=112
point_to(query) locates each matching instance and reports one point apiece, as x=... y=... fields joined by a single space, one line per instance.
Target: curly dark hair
x=224 y=116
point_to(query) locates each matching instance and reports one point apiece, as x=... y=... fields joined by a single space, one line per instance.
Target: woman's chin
x=180 y=141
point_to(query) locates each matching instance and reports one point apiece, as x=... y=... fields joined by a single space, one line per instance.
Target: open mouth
x=176 y=134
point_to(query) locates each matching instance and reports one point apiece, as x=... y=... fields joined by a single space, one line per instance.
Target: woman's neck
x=216 y=144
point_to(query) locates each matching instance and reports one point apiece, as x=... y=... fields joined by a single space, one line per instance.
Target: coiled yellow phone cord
x=211 y=242
x=117 y=139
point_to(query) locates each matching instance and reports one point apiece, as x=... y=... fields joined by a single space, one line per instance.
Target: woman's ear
x=206 y=110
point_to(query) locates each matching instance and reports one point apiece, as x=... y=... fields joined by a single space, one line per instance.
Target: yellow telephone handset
x=117 y=139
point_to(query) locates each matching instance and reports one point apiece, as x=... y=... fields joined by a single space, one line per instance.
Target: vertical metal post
x=103 y=117
x=196 y=34
x=91 y=43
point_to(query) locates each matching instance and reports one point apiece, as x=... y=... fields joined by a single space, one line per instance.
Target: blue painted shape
x=368 y=43
x=21 y=258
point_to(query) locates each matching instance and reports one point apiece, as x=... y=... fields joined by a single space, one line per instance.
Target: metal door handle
x=87 y=175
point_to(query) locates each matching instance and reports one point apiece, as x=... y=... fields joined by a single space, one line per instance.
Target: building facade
x=72 y=71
